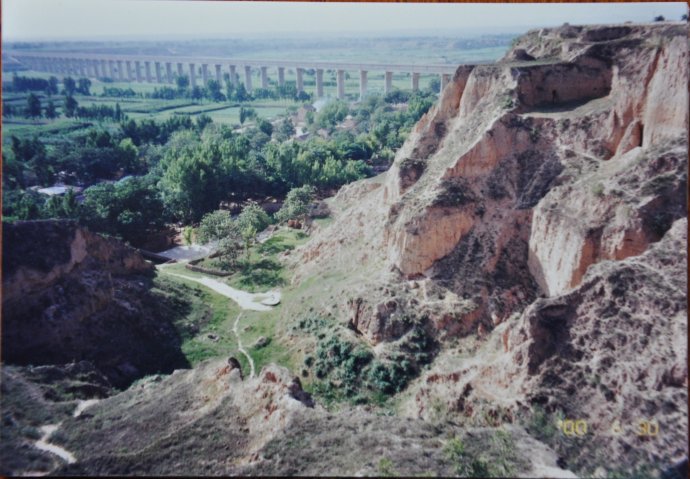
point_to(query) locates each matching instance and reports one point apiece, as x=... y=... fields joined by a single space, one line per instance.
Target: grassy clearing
x=212 y=313
x=206 y=323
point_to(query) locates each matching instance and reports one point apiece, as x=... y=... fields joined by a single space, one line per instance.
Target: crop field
x=409 y=51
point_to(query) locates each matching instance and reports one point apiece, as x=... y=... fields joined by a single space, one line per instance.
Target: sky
x=167 y=19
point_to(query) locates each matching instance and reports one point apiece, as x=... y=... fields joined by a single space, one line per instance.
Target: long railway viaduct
x=157 y=69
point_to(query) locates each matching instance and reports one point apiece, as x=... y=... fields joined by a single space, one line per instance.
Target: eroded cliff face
x=570 y=151
x=72 y=295
x=538 y=213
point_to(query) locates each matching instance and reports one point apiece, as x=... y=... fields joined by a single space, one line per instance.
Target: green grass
x=208 y=313
x=223 y=311
x=24 y=128
x=264 y=270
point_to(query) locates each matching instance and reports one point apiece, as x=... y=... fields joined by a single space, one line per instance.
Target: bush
x=215 y=226
x=464 y=465
x=297 y=203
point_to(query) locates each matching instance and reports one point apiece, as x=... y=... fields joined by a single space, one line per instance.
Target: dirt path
x=251 y=301
x=49 y=429
x=241 y=348
x=44 y=445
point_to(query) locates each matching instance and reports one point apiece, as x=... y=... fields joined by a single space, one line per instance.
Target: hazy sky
x=84 y=19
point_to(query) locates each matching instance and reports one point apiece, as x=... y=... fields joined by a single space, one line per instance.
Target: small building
x=59 y=190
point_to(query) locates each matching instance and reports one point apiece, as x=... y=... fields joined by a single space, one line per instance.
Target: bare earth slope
x=532 y=208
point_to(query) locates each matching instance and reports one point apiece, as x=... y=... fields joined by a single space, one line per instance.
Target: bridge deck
x=307 y=64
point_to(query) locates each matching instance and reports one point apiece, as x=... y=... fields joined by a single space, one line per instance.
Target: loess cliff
x=535 y=221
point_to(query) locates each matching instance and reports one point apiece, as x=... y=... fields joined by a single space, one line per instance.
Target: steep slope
x=72 y=295
x=533 y=201
x=210 y=421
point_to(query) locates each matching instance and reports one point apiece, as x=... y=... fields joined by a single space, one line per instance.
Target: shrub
x=297 y=203
x=215 y=226
x=465 y=466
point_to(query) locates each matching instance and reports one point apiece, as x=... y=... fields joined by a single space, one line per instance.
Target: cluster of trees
x=118 y=92
x=185 y=168
x=70 y=107
x=24 y=84
x=221 y=91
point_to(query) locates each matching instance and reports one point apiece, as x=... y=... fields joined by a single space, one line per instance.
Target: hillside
x=522 y=266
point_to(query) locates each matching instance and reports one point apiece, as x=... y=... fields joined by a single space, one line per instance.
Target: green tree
x=33 y=106
x=241 y=93
x=70 y=86
x=53 y=85
x=197 y=93
x=51 y=112
x=254 y=217
x=215 y=226
x=296 y=203
x=182 y=82
x=188 y=235
x=84 y=86
x=71 y=106
x=285 y=130
x=129 y=209
x=246 y=113
x=202 y=121
x=219 y=226
x=265 y=126
x=213 y=91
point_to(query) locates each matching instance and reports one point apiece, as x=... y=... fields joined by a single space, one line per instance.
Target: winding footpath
x=49 y=429
x=241 y=348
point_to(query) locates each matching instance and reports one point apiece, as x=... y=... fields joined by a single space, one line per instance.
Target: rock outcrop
x=72 y=295
x=540 y=205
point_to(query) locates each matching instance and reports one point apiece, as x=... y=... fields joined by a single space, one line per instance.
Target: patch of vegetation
x=385 y=468
x=347 y=371
x=598 y=190
x=454 y=192
x=202 y=318
x=496 y=457
x=544 y=426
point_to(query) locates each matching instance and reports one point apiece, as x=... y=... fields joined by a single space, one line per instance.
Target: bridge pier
x=300 y=79
x=219 y=75
x=148 y=72
x=319 y=83
x=104 y=68
x=248 y=78
x=204 y=74
x=137 y=71
x=120 y=71
x=281 y=76
x=264 y=77
x=159 y=77
x=340 y=77
x=192 y=75
x=111 y=69
x=95 y=67
x=415 y=81
x=168 y=72
x=362 y=84
x=128 y=65
x=388 y=85
x=233 y=75
x=445 y=78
